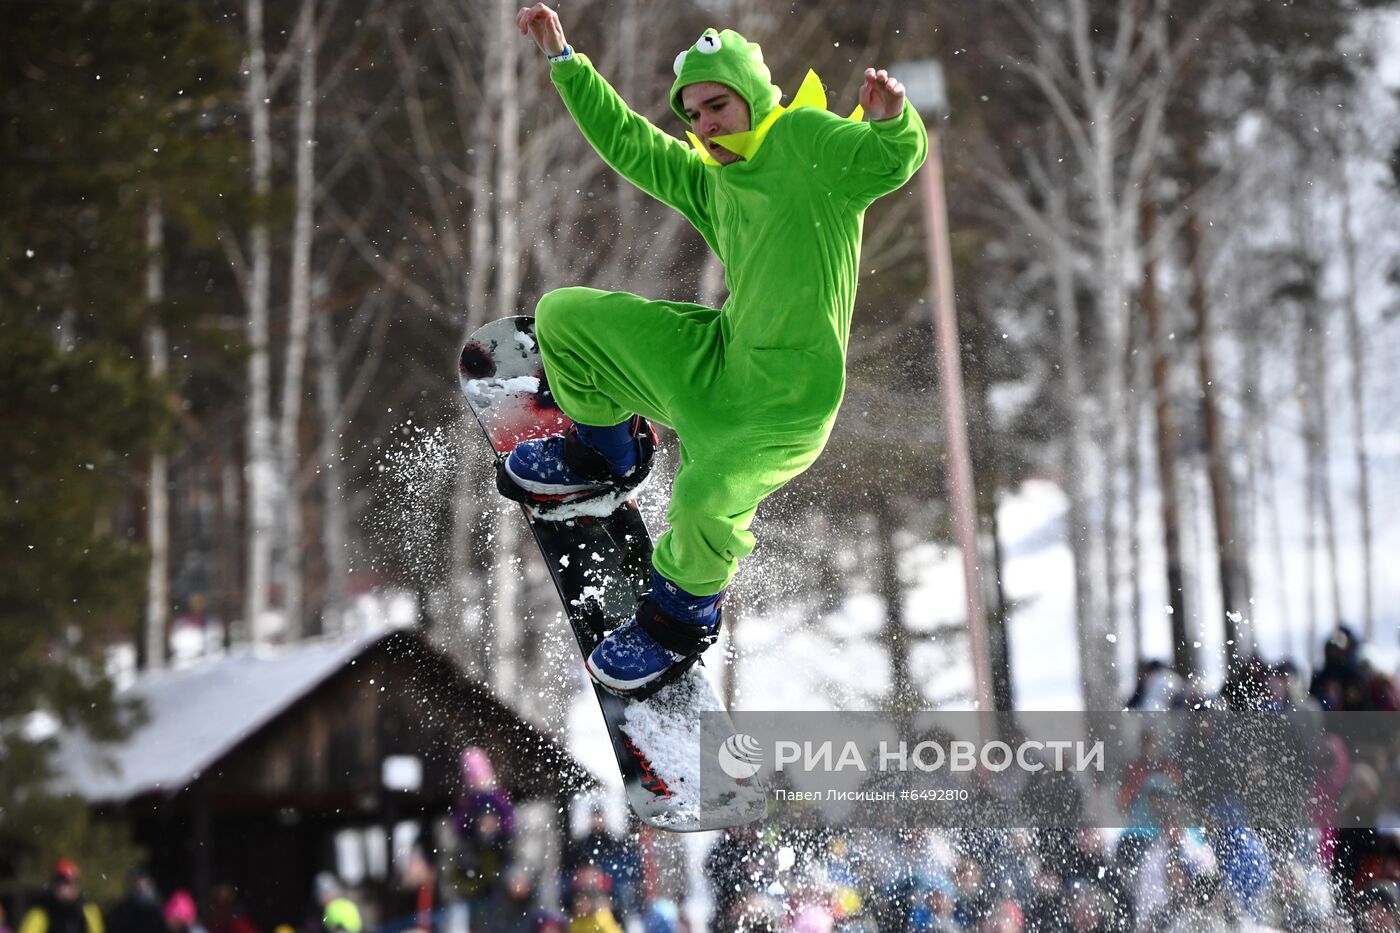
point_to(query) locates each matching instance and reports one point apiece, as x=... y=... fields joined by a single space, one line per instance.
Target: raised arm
x=659 y=164
x=870 y=159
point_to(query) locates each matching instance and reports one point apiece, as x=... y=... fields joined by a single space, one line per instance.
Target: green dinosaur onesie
x=751 y=389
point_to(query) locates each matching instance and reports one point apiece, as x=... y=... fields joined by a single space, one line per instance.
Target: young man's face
x=715 y=110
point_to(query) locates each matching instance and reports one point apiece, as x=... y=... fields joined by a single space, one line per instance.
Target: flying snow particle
x=786 y=858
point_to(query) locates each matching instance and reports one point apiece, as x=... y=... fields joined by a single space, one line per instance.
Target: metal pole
x=963 y=499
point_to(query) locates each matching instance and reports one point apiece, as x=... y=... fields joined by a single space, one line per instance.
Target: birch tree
x=330 y=459
x=1358 y=382
x=1234 y=598
x=156 y=621
x=1185 y=656
x=298 y=319
x=260 y=469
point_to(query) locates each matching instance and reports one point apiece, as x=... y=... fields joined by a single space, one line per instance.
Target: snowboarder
x=751 y=389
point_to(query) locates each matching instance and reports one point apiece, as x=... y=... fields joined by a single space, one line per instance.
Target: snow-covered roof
x=196 y=715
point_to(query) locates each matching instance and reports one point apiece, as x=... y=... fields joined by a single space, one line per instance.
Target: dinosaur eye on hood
x=708 y=44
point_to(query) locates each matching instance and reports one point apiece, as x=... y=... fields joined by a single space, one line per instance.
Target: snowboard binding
x=606 y=489
x=685 y=642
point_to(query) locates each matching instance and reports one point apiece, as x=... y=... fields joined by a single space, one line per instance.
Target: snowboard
x=601 y=564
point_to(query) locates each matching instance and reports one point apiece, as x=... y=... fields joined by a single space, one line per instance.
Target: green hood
x=729 y=59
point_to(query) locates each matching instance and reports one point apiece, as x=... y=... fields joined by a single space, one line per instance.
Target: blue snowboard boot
x=584 y=463
x=666 y=636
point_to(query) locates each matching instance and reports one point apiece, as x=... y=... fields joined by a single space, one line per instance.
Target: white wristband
x=563 y=56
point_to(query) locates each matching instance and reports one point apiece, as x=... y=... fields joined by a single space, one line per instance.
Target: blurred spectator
x=1047 y=909
x=1245 y=866
x=662 y=916
x=590 y=909
x=811 y=918
x=485 y=821
x=512 y=907
x=1286 y=691
x=1006 y=917
x=1159 y=688
x=226 y=913
x=601 y=847
x=1389 y=813
x=1378 y=688
x=1298 y=688
x=1167 y=846
x=61 y=907
x=973 y=902
x=325 y=887
x=1339 y=678
x=1247 y=687
x=1333 y=773
x=139 y=909
x=181 y=916
x=1152 y=758
x=1378 y=908
x=935 y=913
x=1145 y=668
x=755 y=913
x=1178 y=897
x=1091 y=910
x=1086 y=855
x=737 y=866
x=1357 y=842
x=848 y=908
x=415 y=887
x=341 y=916
x=1304 y=898
x=336 y=912
x=1053 y=795
x=4 y=926
x=1008 y=864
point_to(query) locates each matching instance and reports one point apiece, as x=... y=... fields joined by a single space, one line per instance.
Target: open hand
x=881 y=96
x=543 y=26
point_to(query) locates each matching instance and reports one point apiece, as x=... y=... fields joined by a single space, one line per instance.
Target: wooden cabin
x=253 y=768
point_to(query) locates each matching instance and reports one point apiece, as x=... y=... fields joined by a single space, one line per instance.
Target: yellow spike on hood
x=810 y=94
x=747 y=143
